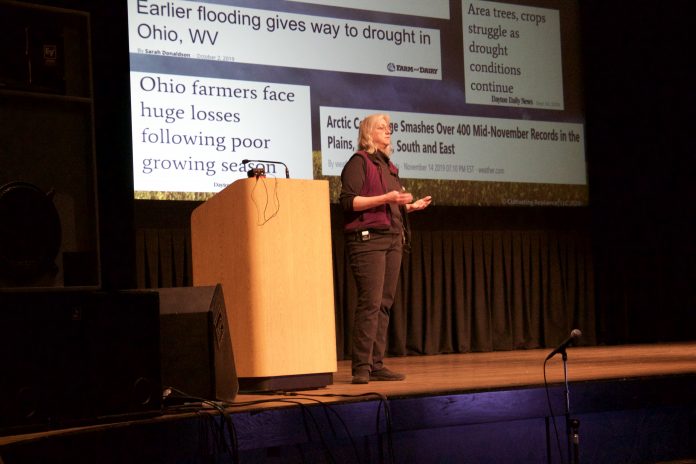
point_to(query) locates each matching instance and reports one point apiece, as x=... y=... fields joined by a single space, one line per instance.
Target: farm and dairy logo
x=391 y=67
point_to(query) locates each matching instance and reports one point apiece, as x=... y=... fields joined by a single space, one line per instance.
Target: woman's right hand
x=400 y=198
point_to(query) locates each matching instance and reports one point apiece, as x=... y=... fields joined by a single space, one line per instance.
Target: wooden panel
x=268 y=242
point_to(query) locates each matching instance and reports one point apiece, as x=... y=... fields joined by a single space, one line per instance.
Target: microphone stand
x=572 y=425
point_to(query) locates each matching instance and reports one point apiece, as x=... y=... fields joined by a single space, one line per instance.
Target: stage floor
x=482 y=396
x=449 y=374
x=462 y=373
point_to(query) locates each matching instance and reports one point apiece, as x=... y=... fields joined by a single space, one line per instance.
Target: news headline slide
x=485 y=97
x=211 y=31
x=191 y=134
x=436 y=146
x=512 y=55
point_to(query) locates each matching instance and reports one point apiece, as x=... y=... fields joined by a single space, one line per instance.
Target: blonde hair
x=367 y=126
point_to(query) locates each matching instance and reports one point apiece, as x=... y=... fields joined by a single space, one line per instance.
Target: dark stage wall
x=621 y=269
x=641 y=166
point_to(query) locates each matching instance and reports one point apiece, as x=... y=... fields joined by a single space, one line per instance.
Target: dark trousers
x=376 y=264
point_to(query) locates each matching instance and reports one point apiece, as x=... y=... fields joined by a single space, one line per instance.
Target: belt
x=363 y=235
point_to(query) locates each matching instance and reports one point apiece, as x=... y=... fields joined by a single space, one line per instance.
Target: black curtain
x=466 y=288
x=467 y=284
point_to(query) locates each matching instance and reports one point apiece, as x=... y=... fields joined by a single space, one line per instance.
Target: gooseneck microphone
x=287 y=171
x=574 y=335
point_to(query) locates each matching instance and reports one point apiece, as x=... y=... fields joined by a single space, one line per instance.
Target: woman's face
x=381 y=134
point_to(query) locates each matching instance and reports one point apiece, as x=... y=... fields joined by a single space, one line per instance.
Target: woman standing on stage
x=374 y=204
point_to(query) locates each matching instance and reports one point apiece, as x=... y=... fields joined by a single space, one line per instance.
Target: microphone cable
x=262 y=218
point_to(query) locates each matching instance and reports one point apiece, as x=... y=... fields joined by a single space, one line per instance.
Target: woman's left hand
x=420 y=204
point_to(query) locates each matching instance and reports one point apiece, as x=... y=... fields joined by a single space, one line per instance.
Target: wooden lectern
x=268 y=242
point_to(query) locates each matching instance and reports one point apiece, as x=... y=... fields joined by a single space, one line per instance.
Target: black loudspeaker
x=30 y=235
x=77 y=357
x=196 y=344
x=49 y=227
